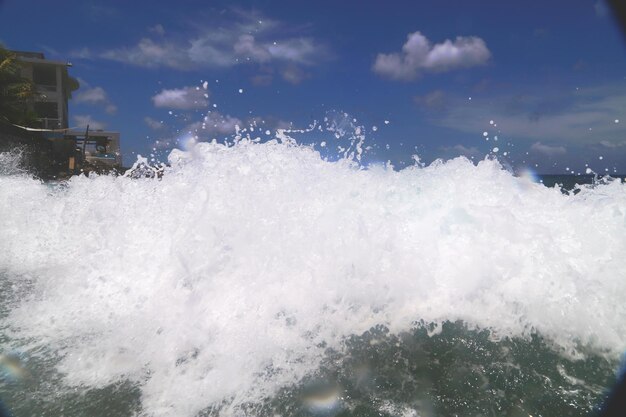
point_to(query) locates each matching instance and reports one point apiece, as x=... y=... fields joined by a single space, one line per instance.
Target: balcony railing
x=47 y=88
x=48 y=123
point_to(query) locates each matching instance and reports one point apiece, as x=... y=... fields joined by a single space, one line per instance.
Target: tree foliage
x=16 y=92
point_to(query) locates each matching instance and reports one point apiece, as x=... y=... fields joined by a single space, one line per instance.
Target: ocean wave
x=231 y=276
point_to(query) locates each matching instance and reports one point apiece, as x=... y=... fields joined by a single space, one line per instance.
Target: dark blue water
x=570 y=182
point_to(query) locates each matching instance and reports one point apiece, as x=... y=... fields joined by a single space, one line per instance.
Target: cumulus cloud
x=82 y=121
x=242 y=38
x=297 y=50
x=187 y=98
x=228 y=48
x=214 y=123
x=419 y=55
x=218 y=123
x=246 y=46
x=545 y=114
x=95 y=96
x=153 y=123
x=547 y=149
x=433 y=101
x=152 y=54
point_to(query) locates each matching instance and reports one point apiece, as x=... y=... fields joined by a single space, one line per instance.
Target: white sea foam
x=219 y=283
x=10 y=162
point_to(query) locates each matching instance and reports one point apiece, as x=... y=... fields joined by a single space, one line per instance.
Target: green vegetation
x=16 y=92
x=72 y=85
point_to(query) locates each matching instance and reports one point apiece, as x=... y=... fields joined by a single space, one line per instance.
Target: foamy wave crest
x=229 y=277
x=10 y=162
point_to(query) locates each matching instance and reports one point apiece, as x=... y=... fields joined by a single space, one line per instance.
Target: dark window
x=46 y=110
x=45 y=75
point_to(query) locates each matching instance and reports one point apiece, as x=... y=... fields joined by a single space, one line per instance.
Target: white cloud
x=152 y=54
x=547 y=149
x=213 y=124
x=612 y=145
x=246 y=46
x=419 y=55
x=187 y=98
x=82 y=121
x=153 y=123
x=298 y=50
x=94 y=96
x=217 y=123
x=229 y=48
x=543 y=114
x=236 y=39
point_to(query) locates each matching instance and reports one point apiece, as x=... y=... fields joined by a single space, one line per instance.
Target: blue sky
x=421 y=77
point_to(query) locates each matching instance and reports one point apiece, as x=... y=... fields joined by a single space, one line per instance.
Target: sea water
x=261 y=279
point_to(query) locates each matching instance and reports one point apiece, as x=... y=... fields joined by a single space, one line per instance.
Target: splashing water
x=10 y=163
x=236 y=274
